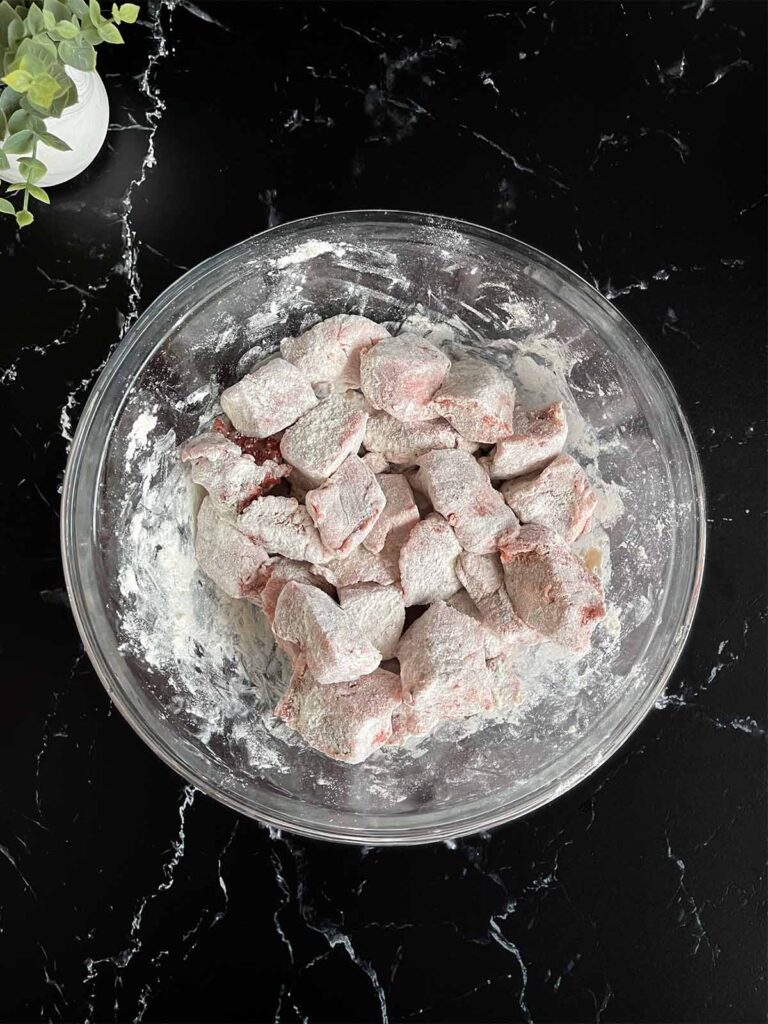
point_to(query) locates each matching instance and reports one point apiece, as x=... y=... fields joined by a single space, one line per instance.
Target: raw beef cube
x=375 y=461
x=466 y=446
x=323 y=637
x=379 y=612
x=299 y=485
x=442 y=668
x=551 y=589
x=478 y=400
x=559 y=497
x=261 y=449
x=505 y=683
x=428 y=562
x=329 y=352
x=347 y=721
x=400 y=731
x=462 y=602
x=483 y=578
x=227 y=556
x=423 y=504
x=276 y=572
x=451 y=480
x=211 y=446
x=460 y=490
x=401 y=375
x=357 y=400
x=539 y=436
x=218 y=465
x=283 y=527
x=232 y=479
x=318 y=444
x=398 y=516
x=269 y=399
x=363 y=566
x=402 y=443
x=479 y=527
x=346 y=506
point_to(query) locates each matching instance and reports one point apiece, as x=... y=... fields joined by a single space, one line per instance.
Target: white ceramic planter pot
x=82 y=126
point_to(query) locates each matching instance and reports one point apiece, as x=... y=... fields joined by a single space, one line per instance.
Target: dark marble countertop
x=628 y=141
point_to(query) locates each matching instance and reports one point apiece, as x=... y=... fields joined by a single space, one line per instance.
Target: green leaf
x=32 y=169
x=6 y=207
x=116 y=14
x=20 y=142
x=66 y=30
x=40 y=194
x=61 y=103
x=44 y=90
x=110 y=33
x=95 y=11
x=7 y=16
x=35 y=21
x=17 y=186
x=48 y=20
x=54 y=142
x=36 y=62
x=59 y=74
x=9 y=101
x=15 y=32
x=80 y=7
x=129 y=13
x=91 y=35
x=19 y=120
x=18 y=80
x=32 y=108
x=4 y=162
x=78 y=53
x=59 y=10
x=24 y=217
x=3 y=125
x=41 y=48
x=35 y=122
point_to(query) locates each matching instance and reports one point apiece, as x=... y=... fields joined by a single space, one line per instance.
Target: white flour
x=211 y=659
x=143 y=426
x=308 y=251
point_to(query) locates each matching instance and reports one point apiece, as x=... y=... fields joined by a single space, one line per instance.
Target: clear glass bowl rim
x=76 y=536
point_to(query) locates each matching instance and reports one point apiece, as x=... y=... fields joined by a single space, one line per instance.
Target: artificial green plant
x=37 y=45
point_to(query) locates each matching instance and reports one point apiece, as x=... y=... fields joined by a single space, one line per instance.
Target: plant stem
x=26 y=190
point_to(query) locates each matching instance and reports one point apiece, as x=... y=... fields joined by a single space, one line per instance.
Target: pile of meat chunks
x=402 y=489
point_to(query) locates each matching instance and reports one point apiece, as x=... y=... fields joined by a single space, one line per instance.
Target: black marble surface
x=628 y=141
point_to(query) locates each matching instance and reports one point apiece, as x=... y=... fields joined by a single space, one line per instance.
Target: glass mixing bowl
x=195 y=673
